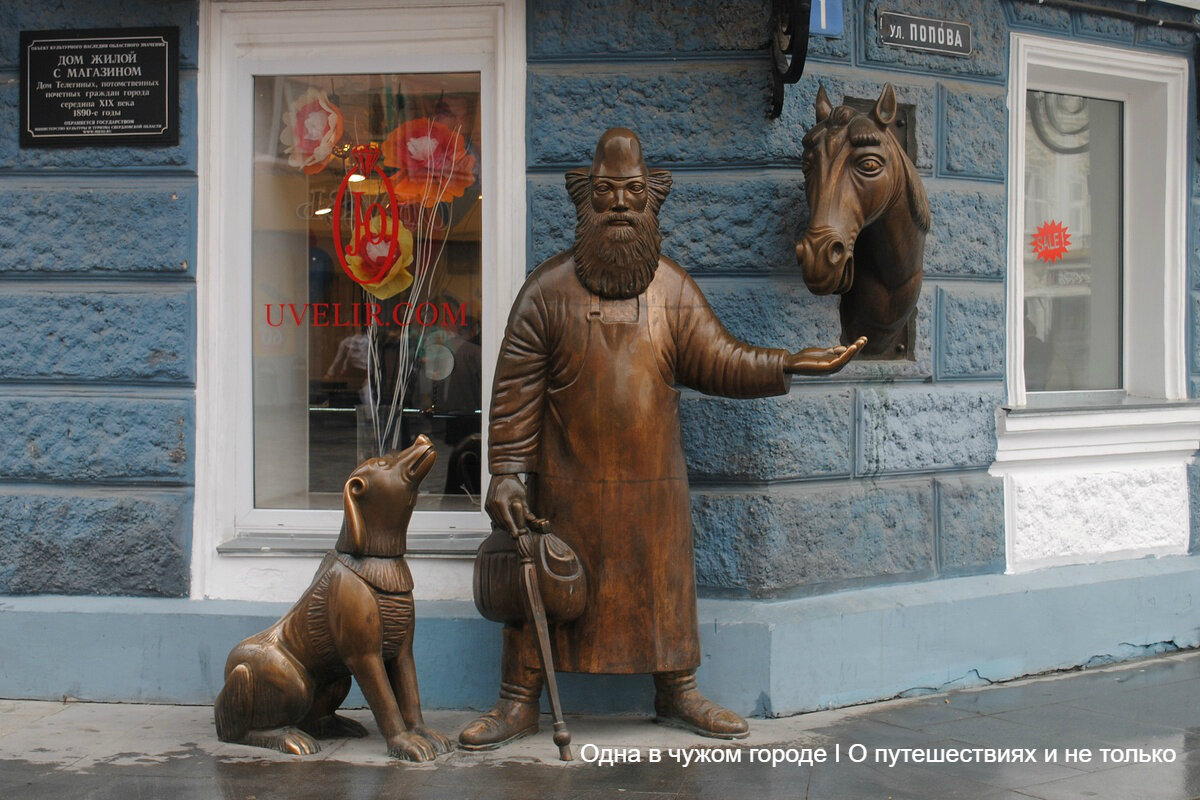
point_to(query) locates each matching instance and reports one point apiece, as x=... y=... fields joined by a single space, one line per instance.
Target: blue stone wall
x=97 y=338
x=879 y=474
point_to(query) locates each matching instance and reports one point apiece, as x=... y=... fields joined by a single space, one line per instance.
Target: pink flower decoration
x=312 y=125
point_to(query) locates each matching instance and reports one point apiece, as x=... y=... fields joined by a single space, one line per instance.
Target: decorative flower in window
x=312 y=125
x=375 y=249
x=432 y=162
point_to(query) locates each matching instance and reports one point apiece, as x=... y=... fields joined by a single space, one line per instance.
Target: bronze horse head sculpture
x=869 y=216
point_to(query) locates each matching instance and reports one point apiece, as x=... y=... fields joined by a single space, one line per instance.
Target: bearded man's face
x=617 y=241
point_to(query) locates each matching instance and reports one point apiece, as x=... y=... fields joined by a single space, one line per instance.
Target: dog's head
x=379 y=497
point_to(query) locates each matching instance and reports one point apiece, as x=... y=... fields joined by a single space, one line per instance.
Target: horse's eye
x=806 y=162
x=869 y=165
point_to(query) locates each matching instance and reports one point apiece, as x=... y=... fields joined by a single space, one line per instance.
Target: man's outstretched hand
x=822 y=360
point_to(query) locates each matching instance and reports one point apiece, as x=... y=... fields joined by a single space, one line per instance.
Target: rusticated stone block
x=1166 y=38
x=1193 y=476
x=989 y=37
x=810 y=538
x=181 y=156
x=1102 y=26
x=703 y=113
x=974 y=135
x=972 y=331
x=712 y=224
x=1028 y=16
x=967 y=236
x=39 y=15
x=971 y=529
x=72 y=438
x=98 y=335
x=915 y=429
x=599 y=27
x=834 y=48
x=551 y=223
x=95 y=542
x=1194 y=238
x=803 y=434
x=1194 y=314
x=773 y=312
x=1084 y=515
x=571 y=106
x=110 y=228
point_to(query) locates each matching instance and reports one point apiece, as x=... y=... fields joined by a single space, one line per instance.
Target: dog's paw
x=411 y=746
x=335 y=726
x=441 y=744
x=285 y=740
x=299 y=743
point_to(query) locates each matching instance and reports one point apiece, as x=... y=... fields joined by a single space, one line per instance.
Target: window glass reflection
x=1072 y=243
x=366 y=274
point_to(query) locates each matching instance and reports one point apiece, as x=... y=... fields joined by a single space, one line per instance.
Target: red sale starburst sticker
x=1051 y=241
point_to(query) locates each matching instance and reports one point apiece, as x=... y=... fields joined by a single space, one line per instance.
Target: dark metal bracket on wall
x=789 y=46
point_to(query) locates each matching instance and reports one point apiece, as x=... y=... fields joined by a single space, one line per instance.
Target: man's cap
x=618 y=155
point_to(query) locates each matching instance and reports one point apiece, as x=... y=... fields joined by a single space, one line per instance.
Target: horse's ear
x=824 y=107
x=353 y=520
x=885 y=107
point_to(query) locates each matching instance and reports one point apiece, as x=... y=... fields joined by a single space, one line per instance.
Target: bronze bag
x=499 y=595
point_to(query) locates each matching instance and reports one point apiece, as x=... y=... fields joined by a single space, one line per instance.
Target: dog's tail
x=234 y=707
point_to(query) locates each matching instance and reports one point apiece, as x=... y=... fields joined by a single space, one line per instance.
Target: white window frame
x=242 y=38
x=1046 y=436
x=1150 y=87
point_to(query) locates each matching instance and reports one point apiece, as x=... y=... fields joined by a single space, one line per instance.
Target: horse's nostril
x=803 y=252
x=836 y=251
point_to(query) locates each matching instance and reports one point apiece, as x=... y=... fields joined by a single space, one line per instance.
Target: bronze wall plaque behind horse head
x=869 y=216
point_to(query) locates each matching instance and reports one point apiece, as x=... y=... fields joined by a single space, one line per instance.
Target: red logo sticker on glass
x=375 y=238
x=1051 y=241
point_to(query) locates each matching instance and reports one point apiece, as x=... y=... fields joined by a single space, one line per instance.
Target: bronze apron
x=613 y=481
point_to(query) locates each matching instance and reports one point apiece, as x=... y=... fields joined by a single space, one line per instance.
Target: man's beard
x=616 y=261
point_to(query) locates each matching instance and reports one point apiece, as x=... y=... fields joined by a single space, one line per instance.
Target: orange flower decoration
x=432 y=162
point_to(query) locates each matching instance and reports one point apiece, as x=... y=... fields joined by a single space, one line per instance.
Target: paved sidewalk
x=76 y=750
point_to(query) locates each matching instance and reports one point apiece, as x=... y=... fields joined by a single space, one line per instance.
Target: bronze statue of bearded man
x=585 y=407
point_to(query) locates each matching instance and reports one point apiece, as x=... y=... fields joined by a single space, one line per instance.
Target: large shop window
x=367 y=282
x=1097 y=210
x=358 y=263
x=1072 y=266
x=1097 y=431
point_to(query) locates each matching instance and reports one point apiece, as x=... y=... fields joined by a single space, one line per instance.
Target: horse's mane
x=918 y=201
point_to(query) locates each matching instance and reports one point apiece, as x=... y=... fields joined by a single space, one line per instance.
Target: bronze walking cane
x=537 y=613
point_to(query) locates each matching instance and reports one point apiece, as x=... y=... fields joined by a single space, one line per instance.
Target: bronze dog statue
x=282 y=686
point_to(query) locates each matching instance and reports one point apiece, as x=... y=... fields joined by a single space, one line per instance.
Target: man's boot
x=677 y=702
x=515 y=715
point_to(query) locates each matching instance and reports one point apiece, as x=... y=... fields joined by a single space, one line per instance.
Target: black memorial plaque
x=941 y=36
x=99 y=88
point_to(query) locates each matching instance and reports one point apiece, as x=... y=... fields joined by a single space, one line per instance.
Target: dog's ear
x=353 y=517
